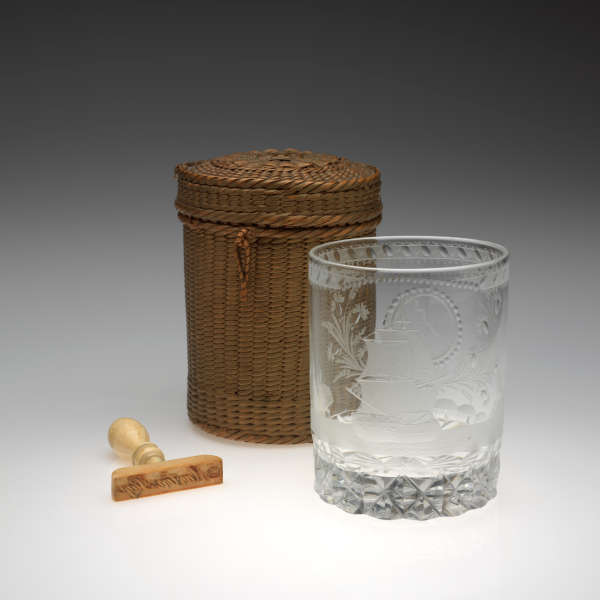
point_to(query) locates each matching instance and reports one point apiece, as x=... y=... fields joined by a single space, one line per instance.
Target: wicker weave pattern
x=249 y=221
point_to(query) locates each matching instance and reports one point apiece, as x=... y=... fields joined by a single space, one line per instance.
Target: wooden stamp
x=151 y=474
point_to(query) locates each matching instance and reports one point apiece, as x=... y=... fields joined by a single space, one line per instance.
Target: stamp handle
x=130 y=438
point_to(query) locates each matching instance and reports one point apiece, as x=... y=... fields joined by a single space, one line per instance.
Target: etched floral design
x=347 y=330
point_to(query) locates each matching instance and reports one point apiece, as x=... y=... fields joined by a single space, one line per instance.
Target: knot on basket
x=243 y=243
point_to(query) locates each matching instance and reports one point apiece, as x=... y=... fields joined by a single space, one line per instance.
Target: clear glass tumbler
x=407 y=358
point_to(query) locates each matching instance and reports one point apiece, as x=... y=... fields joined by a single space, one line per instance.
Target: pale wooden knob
x=130 y=438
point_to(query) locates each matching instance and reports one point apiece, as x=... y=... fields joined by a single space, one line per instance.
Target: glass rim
x=482 y=264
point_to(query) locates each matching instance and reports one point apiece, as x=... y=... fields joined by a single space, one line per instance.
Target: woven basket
x=249 y=220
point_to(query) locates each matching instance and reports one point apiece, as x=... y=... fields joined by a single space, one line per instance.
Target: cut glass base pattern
x=401 y=497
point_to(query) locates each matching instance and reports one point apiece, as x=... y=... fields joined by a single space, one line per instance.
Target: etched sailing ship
x=392 y=388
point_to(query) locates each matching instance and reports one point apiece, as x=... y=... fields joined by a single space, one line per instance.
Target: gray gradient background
x=484 y=122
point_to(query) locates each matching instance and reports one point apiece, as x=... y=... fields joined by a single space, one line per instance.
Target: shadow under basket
x=249 y=220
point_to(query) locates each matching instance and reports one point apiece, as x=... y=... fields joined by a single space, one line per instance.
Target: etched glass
x=407 y=361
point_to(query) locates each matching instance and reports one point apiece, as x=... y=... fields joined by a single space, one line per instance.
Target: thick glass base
x=401 y=497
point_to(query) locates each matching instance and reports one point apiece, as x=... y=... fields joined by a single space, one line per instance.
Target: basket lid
x=288 y=169
x=276 y=188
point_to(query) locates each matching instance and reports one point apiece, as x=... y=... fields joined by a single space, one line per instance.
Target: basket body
x=249 y=221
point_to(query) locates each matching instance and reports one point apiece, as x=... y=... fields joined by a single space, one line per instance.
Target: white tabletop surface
x=264 y=533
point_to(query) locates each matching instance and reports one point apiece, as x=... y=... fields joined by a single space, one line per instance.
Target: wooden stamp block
x=168 y=476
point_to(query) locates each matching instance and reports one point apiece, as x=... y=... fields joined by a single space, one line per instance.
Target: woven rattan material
x=249 y=221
